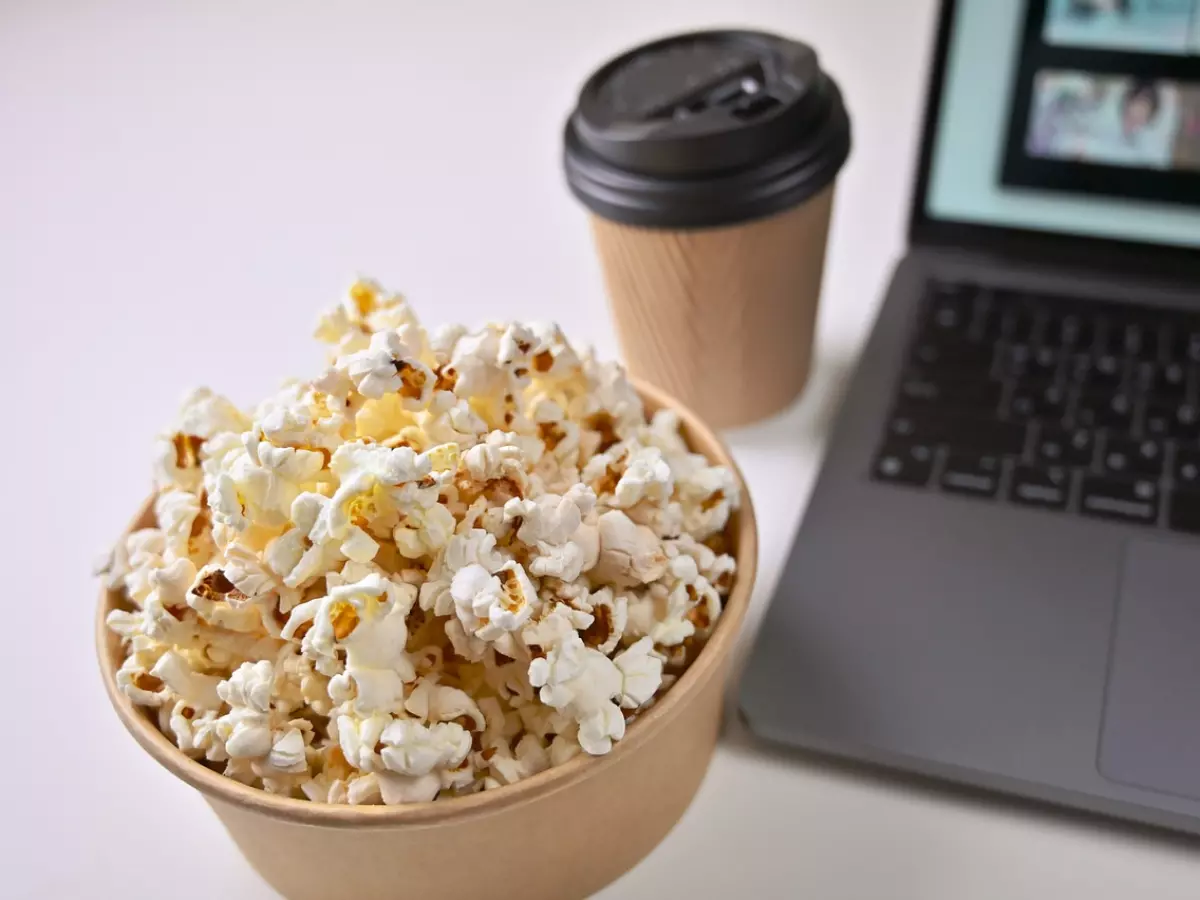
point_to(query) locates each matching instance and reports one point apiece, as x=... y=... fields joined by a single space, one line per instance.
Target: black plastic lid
x=705 y=129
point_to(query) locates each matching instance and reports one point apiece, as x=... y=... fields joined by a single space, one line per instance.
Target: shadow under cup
x=708 y=162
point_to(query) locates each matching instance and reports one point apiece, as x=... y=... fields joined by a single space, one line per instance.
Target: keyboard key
x=1031 y=364
x=1048 y=487
x=1105 y=372
x=1182 y=341
x=953 y=355
x=1136 y=340
x=1187 y=467
x=1020 y=320
x=951 y=308
x=1129 y=334
x=1123 y=456
x=1037 y=402
x=971 y=473
x=960 y=432
x=1133 y=501
x=1108 y=371
x=1180 y=421
x=1071 y=330
x=1110 y=411
x=1162 y=342
x=904 y=463
x=964 y=291
x=1065 y=447
x=1045 y=363
x=952 y=392
x=1185 y=511
x=1014 y=360
x=1191 y=346
x=1165 y=381
x=989 y=322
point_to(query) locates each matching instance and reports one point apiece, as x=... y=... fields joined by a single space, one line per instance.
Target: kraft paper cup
x=562 y=834
x=723 y=318
x=708 y=163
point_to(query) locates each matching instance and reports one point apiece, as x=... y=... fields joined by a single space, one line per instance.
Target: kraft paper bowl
x=562 y=834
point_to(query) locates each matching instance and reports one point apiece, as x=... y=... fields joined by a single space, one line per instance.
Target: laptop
x=997 y=579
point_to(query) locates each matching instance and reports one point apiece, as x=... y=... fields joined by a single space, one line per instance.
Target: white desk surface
x=183 y=186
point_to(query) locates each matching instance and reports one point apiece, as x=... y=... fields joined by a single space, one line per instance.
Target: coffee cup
x=707 y=162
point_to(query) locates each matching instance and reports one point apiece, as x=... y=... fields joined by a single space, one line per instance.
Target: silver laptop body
x=997 y=579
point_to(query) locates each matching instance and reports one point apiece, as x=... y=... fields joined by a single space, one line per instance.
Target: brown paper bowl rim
x=220 y=788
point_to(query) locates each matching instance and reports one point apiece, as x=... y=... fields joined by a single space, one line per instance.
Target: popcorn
x=423 y=532
x=391 y=365
x=366 y=623
x=474 y=547
x=497 y=467
x=163 y=609
x=246 y=728
x=708 y=496
x=194 y=689
x=195 y=733
x=566 y=544
x=176 y=512
x=560 y=438
x=662 y=615
x=280 y=474
x=528 y=758
x=610 y=616
x=413 y=749
x=491 y=605
x=359 y=739
x=451 y=420
x=630 y=554
x=313 y=416
x=451 y=561
x=384 y=787
x=582 y=682
x=367 y=475
x=442 y=341
x=647 y=478
x=366 y=308
x=179 y=453
x=641 y=673
x=474 y=360
x=141 y=553
x=435 y=702
x=293 y=555
x=287 y=754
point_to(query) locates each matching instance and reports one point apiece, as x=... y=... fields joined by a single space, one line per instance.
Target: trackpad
x=1151 y=733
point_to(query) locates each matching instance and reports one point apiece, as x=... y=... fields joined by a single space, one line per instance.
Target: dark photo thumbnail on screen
x=1142 y=26
x=1115 y=121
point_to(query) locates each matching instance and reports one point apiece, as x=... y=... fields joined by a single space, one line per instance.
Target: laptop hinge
x=1089 y=265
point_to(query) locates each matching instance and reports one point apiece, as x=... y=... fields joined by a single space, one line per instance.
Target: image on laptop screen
x=1114 y=120
x=1142 y=26
x=1107 y=99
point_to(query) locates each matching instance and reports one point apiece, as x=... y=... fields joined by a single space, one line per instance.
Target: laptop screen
x=1077 y=117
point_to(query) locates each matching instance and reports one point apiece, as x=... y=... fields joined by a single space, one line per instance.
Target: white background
x=184 y=185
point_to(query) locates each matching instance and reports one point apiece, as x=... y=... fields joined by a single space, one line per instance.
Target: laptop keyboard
x=1050 y=402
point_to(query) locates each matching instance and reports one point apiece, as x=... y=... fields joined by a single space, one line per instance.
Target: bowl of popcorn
x=455 y=616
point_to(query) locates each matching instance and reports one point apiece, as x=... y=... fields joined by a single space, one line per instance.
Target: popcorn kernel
x=364 y=297
x=187 y=450
x=344 y=618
